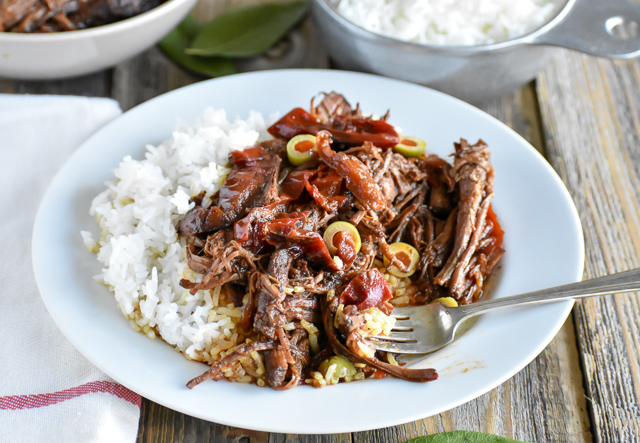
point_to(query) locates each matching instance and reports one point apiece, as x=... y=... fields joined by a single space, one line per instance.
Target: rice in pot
x=449 y=22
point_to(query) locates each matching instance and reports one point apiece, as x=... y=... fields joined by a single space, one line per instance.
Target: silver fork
x=428 y=328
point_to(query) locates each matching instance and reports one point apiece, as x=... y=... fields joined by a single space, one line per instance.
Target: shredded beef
x=473 y=174
x=67 y=15
x=264 y=233
x=332 y=105
x=244 y=189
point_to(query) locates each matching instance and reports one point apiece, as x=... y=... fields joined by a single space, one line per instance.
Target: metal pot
x=605 y=28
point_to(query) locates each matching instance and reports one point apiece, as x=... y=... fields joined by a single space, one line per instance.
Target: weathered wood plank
x=147 y=76
x=161 y=424
x=152 y=73
x=93 y=85
x=589 y=111
x=323 y=438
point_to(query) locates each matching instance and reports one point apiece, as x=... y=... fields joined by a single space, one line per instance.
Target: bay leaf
x=247 y=31
x=462 y=437
x=175 y=43
x=190 y=27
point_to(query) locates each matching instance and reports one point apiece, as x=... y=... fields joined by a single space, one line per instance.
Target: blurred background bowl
x=607 y=28
x=74 y=53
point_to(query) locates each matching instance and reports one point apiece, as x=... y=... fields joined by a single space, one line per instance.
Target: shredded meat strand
x=409 y=374
x=474 y=177
x=67 y=15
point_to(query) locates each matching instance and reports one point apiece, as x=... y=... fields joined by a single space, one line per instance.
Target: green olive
x=344 y=368
x=408 y=255
x=411 y=147
x=345 y=227
x=449 y=302
x=301 y=149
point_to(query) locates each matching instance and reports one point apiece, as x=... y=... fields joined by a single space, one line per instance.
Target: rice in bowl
x=138 y=246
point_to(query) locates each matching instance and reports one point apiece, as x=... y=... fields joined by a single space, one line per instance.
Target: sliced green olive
x=345 y=227
x=344 y=368
x=411 y=147
x=301 y=149
x=449 y=302
x=408 y=255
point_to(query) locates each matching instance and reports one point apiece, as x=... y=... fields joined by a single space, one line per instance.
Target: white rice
x=450 y=22
x=139 y=248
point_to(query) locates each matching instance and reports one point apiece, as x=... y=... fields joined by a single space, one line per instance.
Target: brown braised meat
x=67 y=15
x=333 y=104
x=474 y=175
x=265 y=237
x=356 y=175
x=334 y=114
x=251 y=183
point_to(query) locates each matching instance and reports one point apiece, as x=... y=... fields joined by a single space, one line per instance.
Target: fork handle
x=609 y=284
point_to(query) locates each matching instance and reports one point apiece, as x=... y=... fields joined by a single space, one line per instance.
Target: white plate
x=543 y=239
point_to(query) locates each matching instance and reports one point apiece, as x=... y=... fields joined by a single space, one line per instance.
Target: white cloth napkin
x=48 y=390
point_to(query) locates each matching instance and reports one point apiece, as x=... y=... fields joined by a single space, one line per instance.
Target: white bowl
x=73 y=53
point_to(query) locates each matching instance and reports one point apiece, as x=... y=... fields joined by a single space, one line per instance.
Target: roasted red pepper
x=288 y=233
x=366 y=290
x=345 y=248
x=345 y=129
x=325 y=186
x=357 y=176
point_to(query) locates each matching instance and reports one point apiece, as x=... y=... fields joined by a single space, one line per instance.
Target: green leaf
x=174 y=45
x=247 y=31
x=462 y=437
x=190 y=27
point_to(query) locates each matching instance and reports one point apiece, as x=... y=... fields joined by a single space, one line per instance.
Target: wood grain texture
x=147 y=76
x=93 y=85
x=589 y=110
x=585 y=116
x=165 y=425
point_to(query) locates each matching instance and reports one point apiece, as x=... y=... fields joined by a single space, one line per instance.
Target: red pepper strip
x=323 y=184
x=497 y=231
x=345 y=129
x=345 y=247
x=286 y=233
x=296 y=182
x=356 y=175
x=250 y=157
x=251 y=230
x=325 y=188
x=366 y=290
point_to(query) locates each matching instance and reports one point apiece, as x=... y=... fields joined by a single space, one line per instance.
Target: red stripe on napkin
x=14 y=402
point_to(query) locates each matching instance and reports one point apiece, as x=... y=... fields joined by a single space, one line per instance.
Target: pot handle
x=606 y=28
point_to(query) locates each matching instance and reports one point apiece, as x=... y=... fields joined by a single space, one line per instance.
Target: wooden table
x=583 y=114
